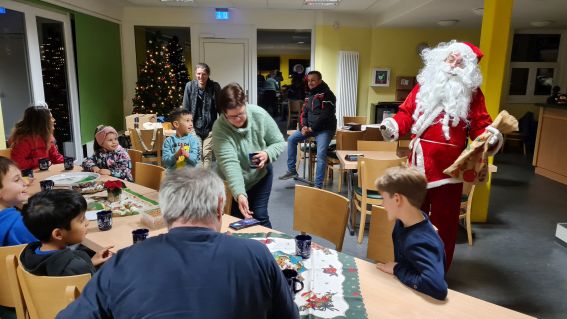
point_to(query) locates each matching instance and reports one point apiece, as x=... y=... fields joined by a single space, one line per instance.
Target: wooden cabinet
x=551 y=144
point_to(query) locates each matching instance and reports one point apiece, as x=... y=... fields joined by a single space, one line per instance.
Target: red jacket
x=431 y=152
x=30 y=149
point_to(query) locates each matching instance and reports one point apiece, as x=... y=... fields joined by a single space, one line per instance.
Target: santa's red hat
x=476 y=50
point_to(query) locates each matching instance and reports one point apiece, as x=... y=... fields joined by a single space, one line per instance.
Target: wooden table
x=350 y=166
x=384 y=296
x=58 y=169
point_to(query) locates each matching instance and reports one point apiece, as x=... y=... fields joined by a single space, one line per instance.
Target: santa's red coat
x=431 y=152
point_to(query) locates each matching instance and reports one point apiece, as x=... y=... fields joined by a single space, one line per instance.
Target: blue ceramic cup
x=44 y=164
x=303 y=246
x=104 y=220
x=27 y=173
x=46 y=185
x=69 y=163
x=140 y=234
x=292 y=280
x=253 y=162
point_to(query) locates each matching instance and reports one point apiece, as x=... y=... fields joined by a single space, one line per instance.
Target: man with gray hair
x=193 y=271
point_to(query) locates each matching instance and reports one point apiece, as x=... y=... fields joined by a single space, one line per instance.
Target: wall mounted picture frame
x=380 y=77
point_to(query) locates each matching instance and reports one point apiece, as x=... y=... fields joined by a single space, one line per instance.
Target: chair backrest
x=228 y=203
x=7 y=152
x=145 y=141
x=6 y=293
x=295 y=106
x=373 y=134
x=135 y=157
x=404 y=143
x=346 y=140
x=380 y=244
x=148 y=175
x=354 y=119
x=14 y=288
x=376 y=146
x=167 y=126
x=45 y=296
x=370 y=169
x=320 y=212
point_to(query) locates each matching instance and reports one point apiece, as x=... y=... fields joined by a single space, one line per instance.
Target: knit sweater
x=232 y=146
x=30 y=149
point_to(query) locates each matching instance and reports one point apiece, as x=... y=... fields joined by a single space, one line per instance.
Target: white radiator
x=347 y=85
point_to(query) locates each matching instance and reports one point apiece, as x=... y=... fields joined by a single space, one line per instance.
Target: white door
x=228 y=60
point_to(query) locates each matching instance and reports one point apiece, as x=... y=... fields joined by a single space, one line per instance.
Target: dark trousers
x=444 y=203
x=258 y=197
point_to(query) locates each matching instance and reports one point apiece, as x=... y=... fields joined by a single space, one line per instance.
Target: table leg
x=350 y=195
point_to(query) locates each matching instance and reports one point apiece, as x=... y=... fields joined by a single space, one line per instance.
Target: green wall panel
x=99 y=73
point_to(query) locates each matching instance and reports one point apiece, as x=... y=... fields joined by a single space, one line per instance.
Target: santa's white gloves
x=495 y=141
x=389 y=129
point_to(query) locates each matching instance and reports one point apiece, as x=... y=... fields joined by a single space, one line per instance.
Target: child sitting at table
x=32 y=138
x=183 y=148
x=13 y=192
x=418 y=249
x=57 y=219
x=109 y=157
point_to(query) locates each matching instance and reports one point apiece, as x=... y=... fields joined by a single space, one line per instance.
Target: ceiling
x=397 y=13
x=278 y=42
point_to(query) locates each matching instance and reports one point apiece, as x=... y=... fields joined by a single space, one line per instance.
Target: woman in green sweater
x=246 y=140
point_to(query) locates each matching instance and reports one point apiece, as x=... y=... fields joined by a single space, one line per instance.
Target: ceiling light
x=447 y=23
x=542 y=23
x=176 y=0
x=478 y=11
x=321 y=2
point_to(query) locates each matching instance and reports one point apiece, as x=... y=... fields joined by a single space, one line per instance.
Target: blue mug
x=253 y=162
x=303 y=246
x=44 y=164
x=104 y=220
x=69 y=163
x=46 y=185
x=140 y=234
x=292 y=280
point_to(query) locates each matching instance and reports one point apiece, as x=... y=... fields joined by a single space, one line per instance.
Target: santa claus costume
x=442 y=111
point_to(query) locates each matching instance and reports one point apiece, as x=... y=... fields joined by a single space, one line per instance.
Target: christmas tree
x=177 y=61
x=156 y=89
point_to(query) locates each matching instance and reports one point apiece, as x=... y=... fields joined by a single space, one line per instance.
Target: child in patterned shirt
x=109 y=157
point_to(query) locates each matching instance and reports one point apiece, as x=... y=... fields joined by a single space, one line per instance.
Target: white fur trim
x=417 y=155
x=500 y=140
x=392 y=131
x=442 y=182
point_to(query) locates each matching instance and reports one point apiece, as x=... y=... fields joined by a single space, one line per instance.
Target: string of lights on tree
x=177 y=61
x=159 y=89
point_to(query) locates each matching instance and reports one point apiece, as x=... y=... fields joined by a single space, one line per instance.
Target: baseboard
x=561 y=233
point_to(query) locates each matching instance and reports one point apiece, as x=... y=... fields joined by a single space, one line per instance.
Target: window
x=533 y=67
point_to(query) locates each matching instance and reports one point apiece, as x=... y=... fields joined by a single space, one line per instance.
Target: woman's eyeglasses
x=240 y=115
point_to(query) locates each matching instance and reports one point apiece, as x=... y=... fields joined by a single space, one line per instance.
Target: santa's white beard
x=444 y=90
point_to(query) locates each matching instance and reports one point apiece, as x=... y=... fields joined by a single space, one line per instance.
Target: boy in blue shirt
x=184 y=148
x=57 y=218
x=418 y=249
x=13 y=192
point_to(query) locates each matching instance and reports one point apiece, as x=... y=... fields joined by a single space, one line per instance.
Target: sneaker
x=288 y=175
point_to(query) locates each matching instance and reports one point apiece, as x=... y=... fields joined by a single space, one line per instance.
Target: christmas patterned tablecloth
x=330 y=278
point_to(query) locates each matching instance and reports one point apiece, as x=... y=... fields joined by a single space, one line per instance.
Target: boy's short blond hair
x=405 y=181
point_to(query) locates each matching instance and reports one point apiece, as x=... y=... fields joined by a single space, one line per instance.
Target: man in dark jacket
x=200 y=99
x=318 y=120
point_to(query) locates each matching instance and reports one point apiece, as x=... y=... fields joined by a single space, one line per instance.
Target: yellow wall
x=284 y=66
x=396 y=49
x=329 y=41
x=379 y=48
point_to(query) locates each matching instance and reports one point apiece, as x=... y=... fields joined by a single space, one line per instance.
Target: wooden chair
x=346 y=140
x=10 y=291
x=516 y=137
x=135 y=157
x=373 y=134
x=465 y=213
x=320 y=212
x=380 y=244
x=45 y=296
x=148 y=175
x=7 y=152
x=376 y=146
x=149 y=142
x=228 y=202
x=167 y=126
x=294 y=111
x=365 y=192
x=354 y=119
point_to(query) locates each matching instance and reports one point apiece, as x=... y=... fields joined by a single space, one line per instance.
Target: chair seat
x=369 y=194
